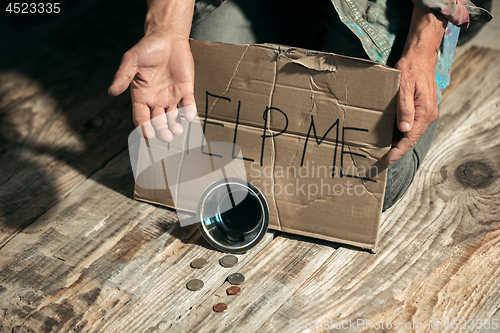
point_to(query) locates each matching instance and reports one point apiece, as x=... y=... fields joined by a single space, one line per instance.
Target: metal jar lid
x=233 y=215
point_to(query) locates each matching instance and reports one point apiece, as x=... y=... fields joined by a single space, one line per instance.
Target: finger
x=159 y=121
x=406 y=106
x=124 y=75
x=174 y=121
x=142 y=119
x=189 y=107
x=424 y=103
x=409 y=140
x=396 y=152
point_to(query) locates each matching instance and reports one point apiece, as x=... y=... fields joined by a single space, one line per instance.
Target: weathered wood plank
x=439 y=249
x=167 y=300
x=99 y=260
x=54 y=252
x=474 y=78
x=57 y=123
x=270 y=279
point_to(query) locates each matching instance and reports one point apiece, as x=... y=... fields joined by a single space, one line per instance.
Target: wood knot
x=475 y=174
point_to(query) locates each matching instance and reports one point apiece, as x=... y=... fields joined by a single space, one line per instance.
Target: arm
x=169 y=15
x=417 y=103
x=160 y=70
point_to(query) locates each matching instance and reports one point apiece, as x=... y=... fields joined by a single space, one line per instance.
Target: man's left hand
x=417 y=103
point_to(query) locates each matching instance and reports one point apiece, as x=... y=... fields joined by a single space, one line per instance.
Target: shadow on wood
x=57 y=123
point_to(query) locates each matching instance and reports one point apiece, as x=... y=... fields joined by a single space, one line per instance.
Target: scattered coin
x=233 y=290
x=194 y=284
x=236 y=278
x=228 y=261
x=220 y=307
x=199 y=263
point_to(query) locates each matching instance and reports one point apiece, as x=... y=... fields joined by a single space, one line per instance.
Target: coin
x=233 y=290
x=236 y=278
x=194 y=284
x=199 y=263
x=228 y=261
x=220 y=307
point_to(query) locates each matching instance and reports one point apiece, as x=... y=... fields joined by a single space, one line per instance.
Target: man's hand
x=417 y=103
x=160 y=71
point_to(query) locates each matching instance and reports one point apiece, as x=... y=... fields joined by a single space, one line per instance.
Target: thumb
x=124 y=75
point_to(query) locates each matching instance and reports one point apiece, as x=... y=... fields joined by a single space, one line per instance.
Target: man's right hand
x=160 y=71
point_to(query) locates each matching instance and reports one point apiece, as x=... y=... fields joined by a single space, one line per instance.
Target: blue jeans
x=310 y=24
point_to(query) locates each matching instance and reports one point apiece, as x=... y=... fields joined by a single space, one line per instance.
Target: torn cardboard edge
x=311 y=59
x=275 y=102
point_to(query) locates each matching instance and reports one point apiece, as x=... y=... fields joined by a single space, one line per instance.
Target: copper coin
x=236 y=278
x=228 y=261
x=199 y=263
x=220 y=307
x=233 y=290
x=194 y=284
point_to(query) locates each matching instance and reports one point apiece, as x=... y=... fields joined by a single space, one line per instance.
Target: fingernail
x=404 y=126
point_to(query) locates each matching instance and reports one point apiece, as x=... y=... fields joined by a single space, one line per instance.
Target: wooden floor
x=78 y=254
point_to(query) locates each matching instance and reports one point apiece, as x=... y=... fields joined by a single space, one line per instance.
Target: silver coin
x=199 y=263
x=194 y=284
x=236 y=278
x=228 y=261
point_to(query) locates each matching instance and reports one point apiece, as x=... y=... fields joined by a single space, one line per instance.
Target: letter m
x=320 y=140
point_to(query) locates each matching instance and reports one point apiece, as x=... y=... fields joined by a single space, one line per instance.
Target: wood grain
x=440 y=244
x=270 y=279
x=57 y=123
x=100 y=261
x=77 y=254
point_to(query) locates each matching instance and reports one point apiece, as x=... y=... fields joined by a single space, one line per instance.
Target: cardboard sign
x=313 y=129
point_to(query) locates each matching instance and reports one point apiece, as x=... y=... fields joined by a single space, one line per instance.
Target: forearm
x=174 y=16
x=417 y=103
x=425 y=35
